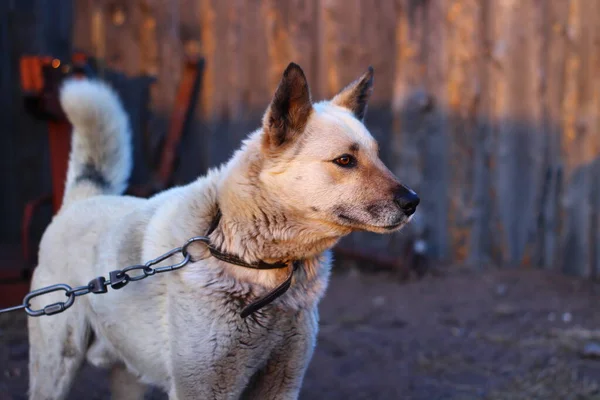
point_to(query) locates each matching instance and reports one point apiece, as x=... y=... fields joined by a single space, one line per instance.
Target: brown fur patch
x=356 y=95
x=69 y=349
x=290 y=109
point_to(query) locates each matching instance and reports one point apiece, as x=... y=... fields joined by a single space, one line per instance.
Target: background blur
x=489 y=109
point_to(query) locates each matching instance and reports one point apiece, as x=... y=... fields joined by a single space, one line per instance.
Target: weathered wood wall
x=490 y=109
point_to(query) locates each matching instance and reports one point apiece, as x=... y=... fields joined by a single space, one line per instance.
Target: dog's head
x=322 y=162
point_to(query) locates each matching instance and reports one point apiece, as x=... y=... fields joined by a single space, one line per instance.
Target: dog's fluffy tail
x=100 y=160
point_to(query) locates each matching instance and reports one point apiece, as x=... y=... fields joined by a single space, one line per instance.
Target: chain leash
x=116 y=280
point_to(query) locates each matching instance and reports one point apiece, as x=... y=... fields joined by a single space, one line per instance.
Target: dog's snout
x=407 y=200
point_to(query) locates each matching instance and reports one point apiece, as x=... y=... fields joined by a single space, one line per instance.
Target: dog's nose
x=407 y=200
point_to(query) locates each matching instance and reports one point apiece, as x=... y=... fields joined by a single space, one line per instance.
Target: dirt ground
x=493 y=335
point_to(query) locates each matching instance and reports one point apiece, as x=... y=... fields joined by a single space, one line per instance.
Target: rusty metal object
x=181 y=113
x=41 y=77
x=183 y=108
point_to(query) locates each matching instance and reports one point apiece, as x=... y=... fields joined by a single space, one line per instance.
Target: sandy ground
x=493 y=335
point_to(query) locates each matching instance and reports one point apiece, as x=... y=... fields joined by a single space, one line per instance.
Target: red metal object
x=41 y=77
x=13 y=287
x=181 y=111
x=40 y=80
x=186 y=95
x=13 y=276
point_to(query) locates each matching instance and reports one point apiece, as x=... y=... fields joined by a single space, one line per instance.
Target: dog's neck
x=255 y=227
x=254 y=235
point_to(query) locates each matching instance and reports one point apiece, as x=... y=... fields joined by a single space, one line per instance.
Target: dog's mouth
x=403 y=221
x=394 y=226
x=356 y=224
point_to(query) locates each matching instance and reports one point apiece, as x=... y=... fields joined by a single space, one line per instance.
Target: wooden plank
x=588 y=126
x=594 y=126
x=170 y=54
x=572 y=237
x=555 y=47
x=123 y=25
x=517 y=111
x=377 y=32
x=376 y=39
x=238 y=77
x=258 y=90
x=193 y=162
x=160 y=22
x=481 y=237
x=304 y=38
x=209 y=51
x=338 y=45
x=189 y=27
x=290 y=37
x=531 y=143
x=214 y=89
x=277 y=34
x=580 y=140
x=435 y=160
x=82 y=25
x=464 y=45
x=419 y=104
x=410 y=103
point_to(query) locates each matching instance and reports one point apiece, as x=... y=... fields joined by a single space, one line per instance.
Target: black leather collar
x=235 y=260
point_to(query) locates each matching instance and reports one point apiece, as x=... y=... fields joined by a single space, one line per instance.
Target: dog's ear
x=289 y=110
x=356 y=95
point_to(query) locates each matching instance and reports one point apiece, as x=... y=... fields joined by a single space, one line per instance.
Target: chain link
x=117 y=280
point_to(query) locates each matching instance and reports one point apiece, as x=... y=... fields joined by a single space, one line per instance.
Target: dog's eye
x=346 y=161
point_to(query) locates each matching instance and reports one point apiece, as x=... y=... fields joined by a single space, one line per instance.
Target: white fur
x=182 y=330
x=101 y=137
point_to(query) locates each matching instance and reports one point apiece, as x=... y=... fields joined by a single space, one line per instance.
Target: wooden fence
x=490 y=109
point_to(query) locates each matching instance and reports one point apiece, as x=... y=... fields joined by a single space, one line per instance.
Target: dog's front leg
x=220 y=371
x=281 y=378
x=210 y=384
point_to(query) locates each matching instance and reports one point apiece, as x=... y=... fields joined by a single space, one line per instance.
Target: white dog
x=310 y=175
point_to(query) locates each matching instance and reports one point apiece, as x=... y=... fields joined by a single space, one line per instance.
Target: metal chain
x=116 y=280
